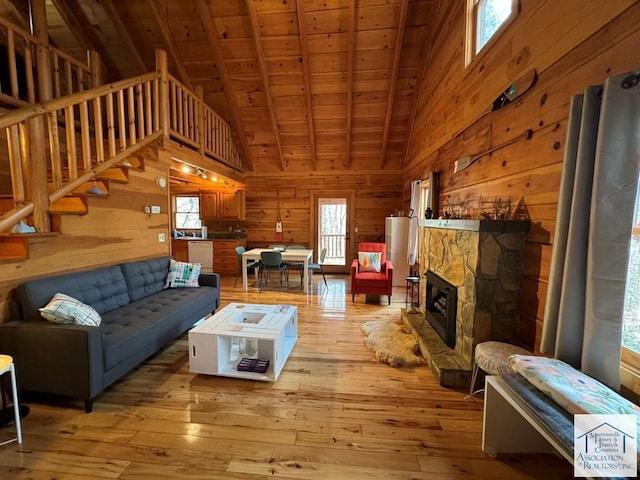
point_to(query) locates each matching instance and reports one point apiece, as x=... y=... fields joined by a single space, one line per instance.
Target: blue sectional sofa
x=138 y=316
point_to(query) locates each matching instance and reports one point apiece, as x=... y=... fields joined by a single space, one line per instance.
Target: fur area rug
x=392 y=343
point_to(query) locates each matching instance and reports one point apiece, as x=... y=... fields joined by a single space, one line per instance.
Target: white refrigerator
x=396 y=230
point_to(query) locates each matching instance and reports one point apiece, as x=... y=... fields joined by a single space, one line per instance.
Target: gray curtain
x=585 y=297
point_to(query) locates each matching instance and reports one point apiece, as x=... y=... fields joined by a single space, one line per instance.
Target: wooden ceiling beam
x=132 y=50
x=204 y=9
x=404 y=6
x=350 y=55
x=167 y=36
x=307 y=81
x=75 y=19
x=264 y=73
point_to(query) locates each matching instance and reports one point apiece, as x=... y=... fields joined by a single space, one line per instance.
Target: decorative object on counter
x=428 y=214
x=496 y=209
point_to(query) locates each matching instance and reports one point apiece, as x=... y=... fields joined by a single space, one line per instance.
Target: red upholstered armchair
x=375 y=283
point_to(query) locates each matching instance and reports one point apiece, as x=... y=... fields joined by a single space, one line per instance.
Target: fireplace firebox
x=441 y=304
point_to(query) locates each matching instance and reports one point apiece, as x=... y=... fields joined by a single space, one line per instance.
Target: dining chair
x=251 y=264
x=272 y=262
x=319 y=265
x=297 y=265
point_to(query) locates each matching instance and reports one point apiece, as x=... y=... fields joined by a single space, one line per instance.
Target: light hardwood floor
x=334 y=413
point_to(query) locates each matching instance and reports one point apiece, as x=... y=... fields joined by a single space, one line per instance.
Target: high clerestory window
x=485 y=19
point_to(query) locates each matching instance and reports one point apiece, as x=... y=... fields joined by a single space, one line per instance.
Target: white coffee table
x=214 y=344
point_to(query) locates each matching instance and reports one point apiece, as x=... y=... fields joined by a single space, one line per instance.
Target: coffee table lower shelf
x=230 y=369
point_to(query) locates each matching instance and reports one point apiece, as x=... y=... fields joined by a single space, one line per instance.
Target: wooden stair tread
x=69 y=206
x=8 y=259
x=14 y=248
x=132 y=162
x=93 y=189
x=117 y=174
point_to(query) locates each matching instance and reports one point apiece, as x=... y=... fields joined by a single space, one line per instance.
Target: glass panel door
x=332 y=232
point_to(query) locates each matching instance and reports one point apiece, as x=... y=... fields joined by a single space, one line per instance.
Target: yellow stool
x=6 y=365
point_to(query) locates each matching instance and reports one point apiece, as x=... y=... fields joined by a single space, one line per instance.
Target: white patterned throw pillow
x=182 y=274
x=370 y=261
x=67 y=310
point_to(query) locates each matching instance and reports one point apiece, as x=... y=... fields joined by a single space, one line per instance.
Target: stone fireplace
x=482 y=260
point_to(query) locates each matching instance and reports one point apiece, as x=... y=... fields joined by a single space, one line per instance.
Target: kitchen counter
x=223 y=248
x=216 y=236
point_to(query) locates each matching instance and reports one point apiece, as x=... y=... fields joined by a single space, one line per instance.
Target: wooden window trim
x=471 y=58
x=630 y=369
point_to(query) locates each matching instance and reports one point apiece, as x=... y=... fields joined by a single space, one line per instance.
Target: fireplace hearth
x=441 y=304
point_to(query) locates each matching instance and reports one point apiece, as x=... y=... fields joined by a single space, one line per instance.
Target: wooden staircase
x=113 y=127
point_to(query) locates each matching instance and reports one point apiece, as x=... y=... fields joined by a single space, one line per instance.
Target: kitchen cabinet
x=180 y=250
x=209 y=206
x=225 y=260
x=223 y=205
x=232 y=205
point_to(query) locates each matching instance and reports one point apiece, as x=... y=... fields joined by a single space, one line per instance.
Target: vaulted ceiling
x=307 y=85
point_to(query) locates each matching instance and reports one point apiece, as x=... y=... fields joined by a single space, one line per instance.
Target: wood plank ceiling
x=307 y=85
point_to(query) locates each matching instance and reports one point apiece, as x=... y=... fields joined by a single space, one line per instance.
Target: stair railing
x=131 y=121
x=18 y=80
x=93 y=130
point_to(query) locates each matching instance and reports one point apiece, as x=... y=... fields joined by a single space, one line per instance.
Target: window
x=484 y=20
x=187 y=212
x=631 y=312
x=428 y=196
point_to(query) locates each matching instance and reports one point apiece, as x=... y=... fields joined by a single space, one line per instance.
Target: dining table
x=288 y=255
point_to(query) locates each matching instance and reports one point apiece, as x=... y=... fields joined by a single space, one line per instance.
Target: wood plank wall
x=377 y=194
x=572 y=44
x=115 y=230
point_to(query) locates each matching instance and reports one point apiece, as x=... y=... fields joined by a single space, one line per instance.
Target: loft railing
x=79 y=136
x=194 y=123
x=21 y=71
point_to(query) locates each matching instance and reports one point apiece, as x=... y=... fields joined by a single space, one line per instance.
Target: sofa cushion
x=370 y=279
x=67 y=310
x=130 y=328
x=183 y=275
x=369 y=261
x=146 y=277
x=103 y=288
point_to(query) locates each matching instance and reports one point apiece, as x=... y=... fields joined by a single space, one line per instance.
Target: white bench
x=511 y=426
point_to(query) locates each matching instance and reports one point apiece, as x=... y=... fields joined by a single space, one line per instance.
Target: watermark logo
x=605 y=446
